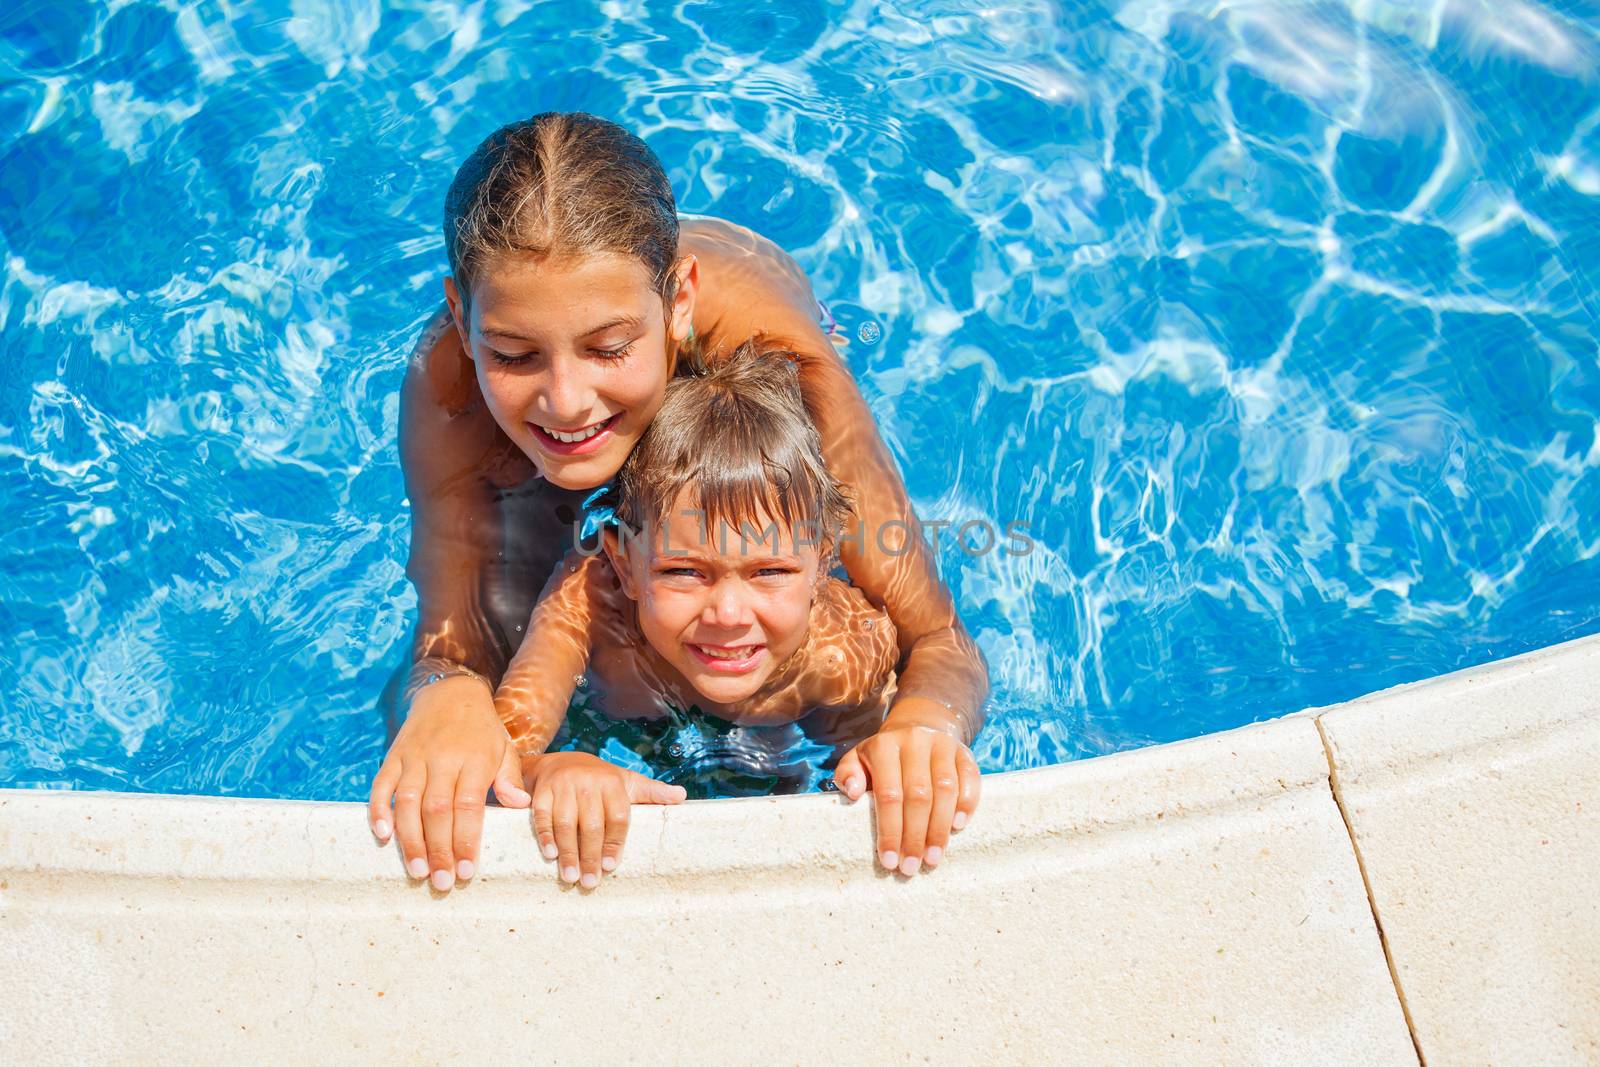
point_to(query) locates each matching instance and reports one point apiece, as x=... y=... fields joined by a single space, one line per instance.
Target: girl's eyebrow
x=508 y=335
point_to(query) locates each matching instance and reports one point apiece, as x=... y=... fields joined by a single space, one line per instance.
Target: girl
x=574 y=297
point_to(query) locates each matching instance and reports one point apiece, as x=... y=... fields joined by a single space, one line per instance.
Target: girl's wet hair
x=738 y=434
x=562 y=183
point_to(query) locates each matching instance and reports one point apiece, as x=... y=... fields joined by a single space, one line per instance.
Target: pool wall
x=1413 y=872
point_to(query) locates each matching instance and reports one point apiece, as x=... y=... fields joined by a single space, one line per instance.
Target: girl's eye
x=505 y=360
x=615 y=353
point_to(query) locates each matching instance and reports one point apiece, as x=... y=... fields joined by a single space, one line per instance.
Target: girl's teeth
x=572 y=438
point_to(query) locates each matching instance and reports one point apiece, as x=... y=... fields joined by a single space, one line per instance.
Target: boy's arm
x=943 y=678
x=533 y=696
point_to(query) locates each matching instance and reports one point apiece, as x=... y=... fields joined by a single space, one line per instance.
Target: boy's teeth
x=733 y=653
x=571 y=438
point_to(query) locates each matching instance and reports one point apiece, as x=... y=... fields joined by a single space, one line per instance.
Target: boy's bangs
x=756 y=495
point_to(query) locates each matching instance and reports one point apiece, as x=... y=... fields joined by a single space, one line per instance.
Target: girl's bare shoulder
x=444 y=423
x=748 y=286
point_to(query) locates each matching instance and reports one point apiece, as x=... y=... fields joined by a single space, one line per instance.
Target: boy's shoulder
x=853 y=635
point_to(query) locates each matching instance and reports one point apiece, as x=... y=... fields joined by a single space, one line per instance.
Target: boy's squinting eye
x=675 y=572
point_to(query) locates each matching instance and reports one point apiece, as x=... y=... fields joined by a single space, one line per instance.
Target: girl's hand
x=580 y=809
x=450 y=749
x=924 y=782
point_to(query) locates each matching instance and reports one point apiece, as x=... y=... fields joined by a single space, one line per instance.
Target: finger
x=543 y=827
x=380 y=802
x=946 y=789
x=618 y=811
x=565 y=821
x=916 y=785
x=849 y=775
x=591 y=833
x=438 y=824
x=508 y=788
x=886 y=798
x=971 y=787
x=408 y=818
x=472 y=789
x=642 y=789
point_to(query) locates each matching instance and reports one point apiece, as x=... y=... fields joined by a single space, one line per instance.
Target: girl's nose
x=562 y=397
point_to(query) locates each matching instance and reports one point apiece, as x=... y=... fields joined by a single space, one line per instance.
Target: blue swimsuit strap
x=599 y=512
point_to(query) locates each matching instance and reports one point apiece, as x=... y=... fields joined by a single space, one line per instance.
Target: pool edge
x=1190 y=902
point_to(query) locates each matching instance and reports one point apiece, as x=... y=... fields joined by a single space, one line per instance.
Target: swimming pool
x=1276 y=323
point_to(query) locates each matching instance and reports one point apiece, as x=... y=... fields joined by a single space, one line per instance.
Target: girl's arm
x=429 y=791
x=533 y=696
x=943 y=678
x=455 y=528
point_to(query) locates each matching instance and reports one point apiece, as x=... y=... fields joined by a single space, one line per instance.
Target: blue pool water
x=1276 y=322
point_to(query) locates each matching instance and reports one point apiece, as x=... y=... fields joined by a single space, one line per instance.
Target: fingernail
x=550 y=852
x=569 y=874
x=380 y=830
x=465 y=870
x=889 y=859
x=590 y=880
x=852 y=785
x=418 y=868
x=960 y=820
x=609 y=863
x=909 y=865
x=443 y=880
x=935 y=854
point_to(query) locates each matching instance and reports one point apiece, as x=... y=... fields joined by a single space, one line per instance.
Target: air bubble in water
x=869 y=332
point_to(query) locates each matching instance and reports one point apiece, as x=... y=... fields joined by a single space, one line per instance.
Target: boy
x=712 y=592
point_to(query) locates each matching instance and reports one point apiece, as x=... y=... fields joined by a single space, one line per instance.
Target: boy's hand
x=450 y=749
x=580 y=809
x=924 y=782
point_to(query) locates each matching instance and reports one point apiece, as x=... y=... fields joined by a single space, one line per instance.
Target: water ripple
x=1274 y=322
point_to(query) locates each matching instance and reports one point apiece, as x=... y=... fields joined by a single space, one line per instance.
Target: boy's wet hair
x=562 y=183
x=739 y=433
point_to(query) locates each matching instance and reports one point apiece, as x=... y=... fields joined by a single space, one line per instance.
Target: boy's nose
x=727 y=606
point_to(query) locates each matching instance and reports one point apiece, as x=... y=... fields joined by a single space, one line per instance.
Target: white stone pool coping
x=1410 y=875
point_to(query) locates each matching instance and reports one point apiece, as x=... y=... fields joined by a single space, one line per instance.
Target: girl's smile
x=577 y=442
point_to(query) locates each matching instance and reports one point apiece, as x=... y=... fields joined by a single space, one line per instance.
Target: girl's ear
x=452 y=296
x=618 y=555
x=682 y=324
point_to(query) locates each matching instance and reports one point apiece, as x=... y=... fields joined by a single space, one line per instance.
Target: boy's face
x=724 y=610
x=590 y=351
